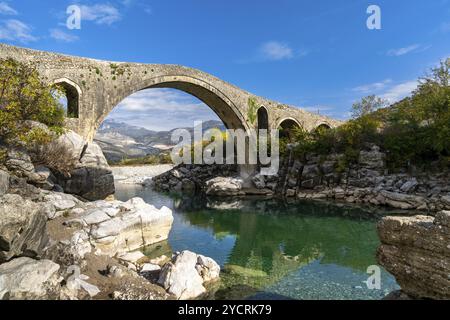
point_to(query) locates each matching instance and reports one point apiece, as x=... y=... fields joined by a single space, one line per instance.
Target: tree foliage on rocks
x=414 y=131
x=367 y=105
x=24 y=100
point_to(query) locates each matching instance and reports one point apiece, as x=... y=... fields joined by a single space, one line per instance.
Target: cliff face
x=416 y=250
x=365 y=181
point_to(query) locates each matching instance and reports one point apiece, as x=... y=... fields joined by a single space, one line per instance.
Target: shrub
x=23 y=98
x=54 y=155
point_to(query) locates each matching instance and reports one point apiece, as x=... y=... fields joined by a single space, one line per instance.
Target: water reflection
x=306 y=250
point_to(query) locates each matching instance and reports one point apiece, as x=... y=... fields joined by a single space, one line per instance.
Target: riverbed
x=270 y=249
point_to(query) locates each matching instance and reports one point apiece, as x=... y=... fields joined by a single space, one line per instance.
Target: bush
x=24 y=98
x=55 y=156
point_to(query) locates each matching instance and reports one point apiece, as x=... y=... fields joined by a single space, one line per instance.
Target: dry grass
x=55 y=156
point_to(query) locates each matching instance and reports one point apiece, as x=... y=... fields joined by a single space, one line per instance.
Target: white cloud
x=274 y=50
x=399 y=91
x=367 y=88
x=60 y=35
x=162 y=109
x=6 y=9
x=15 y=30
x=100 y=13
x=402 y=51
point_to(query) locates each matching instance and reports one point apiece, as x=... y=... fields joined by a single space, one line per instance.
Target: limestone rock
x=150 y=267
x=373 y=159
x=61 y=201
x=207 y=268
x=93 y=157
x=132 y=257
x=22 y=227
x=76 y=283
x=181 y=278
x=290 y=193
x=80 y=245
x=409 y=185
x=92 y=178
x=259 y=181
x=310 y=171
x=73 y=142
x=4 y=182
x=19 y=161
x=91 y=183
x=43 y=172
x=446 y=201
x=50 y=211
x=137 y=224
x=402 y=201
x=25 y=278
x=416 y=251
x=95 y=217
x=224 y=186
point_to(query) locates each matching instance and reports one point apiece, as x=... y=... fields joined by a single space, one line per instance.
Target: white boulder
x=224 y=186
x=25 y=278
x=185 y=275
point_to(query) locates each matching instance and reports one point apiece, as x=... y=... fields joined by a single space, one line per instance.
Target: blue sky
x=313 y=54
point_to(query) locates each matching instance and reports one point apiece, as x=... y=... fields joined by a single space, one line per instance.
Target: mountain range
x=120 y=140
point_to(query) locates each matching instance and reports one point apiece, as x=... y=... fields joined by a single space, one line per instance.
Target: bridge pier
x=246 y=172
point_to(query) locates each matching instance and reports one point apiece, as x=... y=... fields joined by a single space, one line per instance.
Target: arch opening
x=141 y=125
x=263 y=119
x=217 y=101
x=322 y=127
x=70 y=98
x=287 y=129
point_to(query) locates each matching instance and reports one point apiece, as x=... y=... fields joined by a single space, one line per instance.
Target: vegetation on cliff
x=31 y=116
x=25 y=97
x=414 y=131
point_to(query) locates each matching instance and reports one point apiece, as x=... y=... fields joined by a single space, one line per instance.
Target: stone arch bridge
x=94 y=87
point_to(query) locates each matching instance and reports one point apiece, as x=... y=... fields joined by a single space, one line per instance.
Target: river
x=270 y=249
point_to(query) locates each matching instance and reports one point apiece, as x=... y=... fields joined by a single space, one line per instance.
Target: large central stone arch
x=218 y=101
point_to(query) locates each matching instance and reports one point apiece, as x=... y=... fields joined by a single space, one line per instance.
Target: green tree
x=367 y=105
x=24 y=97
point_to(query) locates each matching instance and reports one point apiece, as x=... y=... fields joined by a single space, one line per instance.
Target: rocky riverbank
x=365 y=182
x=63 y=236
x=57 y=246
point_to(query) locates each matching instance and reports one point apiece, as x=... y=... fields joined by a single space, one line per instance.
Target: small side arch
x=72 y=92
x=286 y=127
x=322 y=127
x=263 y=118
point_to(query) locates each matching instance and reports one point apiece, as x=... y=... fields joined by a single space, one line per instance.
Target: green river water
x=270 y=249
